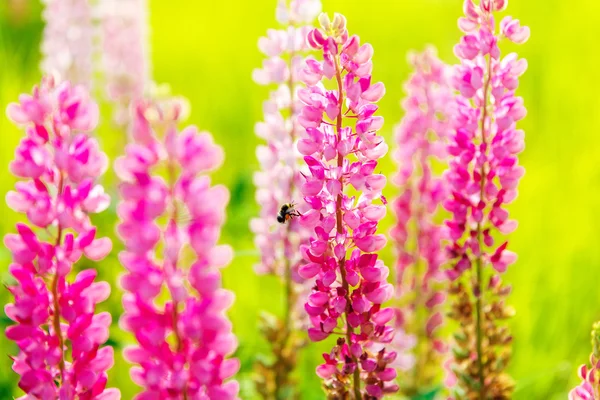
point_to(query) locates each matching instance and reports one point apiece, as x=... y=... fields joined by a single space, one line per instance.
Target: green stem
x=290 y=297
x=174 y=214
x=339 y=223
x=55 y=295
x=479 y=262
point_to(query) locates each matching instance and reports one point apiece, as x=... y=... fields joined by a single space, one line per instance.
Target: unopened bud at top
x=596 y=340
x=336 y=28
x=324 y=22
x=493 y=5
x=339 y=22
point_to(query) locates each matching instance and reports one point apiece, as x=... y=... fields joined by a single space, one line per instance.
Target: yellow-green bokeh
x=206 y=51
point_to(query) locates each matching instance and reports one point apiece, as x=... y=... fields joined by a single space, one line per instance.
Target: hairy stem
x=289 y=290
x=55 y=294
x=173 y=218
x=479 y=262
x=418 y=323
x=339 y=219
x=422 y=347
x=290 y=297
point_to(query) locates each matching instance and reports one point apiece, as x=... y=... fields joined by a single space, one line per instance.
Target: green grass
x=206 y=51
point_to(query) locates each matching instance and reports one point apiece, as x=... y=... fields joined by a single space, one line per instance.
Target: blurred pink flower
x=421 y=140
x=277 y=184
x=57 y=331
x=68 y=40
x=279 y=178
x=347 y=291
x=125 y=61
x=196 y=365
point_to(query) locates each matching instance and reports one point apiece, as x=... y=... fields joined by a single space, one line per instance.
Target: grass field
x=206 y=51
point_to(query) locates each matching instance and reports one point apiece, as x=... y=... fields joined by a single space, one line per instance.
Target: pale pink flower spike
x=277 y=183
x=125 y=60
x=68 y=40
x=421 y=140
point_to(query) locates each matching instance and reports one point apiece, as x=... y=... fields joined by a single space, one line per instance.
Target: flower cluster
x=278 y=179
x=68 y=41
x=483 y=178
x=589 y=388
x=183 y=342
x=277 y=184
x=125 y=55
x=341 y=148
x=421 y=139
x=57 y=331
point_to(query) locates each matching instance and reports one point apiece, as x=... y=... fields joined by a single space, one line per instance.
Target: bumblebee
x=287 y=212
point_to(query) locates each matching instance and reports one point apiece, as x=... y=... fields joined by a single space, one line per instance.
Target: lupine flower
x=341 y=148
x=183 y=343
x=68 y=40
x=58 y=333
x=589 y=388
x=125 y=58
x=483 y=177
x=277 y=184
x=421 y=139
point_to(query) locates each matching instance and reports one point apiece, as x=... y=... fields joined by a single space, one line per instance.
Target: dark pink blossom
x=59 y=335
x=183 y=343
x=484 y=170
x=341 y=148
x=483 y=176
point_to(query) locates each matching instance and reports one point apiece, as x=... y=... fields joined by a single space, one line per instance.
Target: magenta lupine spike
x=125 y=61
x=341 y=148
x=184 y=341
x=68 y=40
x=483 y=177
x=589 y=388
x=277 y=184
x=421 y=140
x=59 y=335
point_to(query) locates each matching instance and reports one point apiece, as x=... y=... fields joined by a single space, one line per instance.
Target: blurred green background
x=206 y=51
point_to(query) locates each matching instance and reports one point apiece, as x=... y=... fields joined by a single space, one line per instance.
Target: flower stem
x=55 y=294
x=418 y=322
x=479 y=262
x=281 y=374
x=174 y=215
x=339 y=219
x=289 y=292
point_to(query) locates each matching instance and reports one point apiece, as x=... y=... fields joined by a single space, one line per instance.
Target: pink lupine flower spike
x=483 y=175
x=349 y=281
x=421 y=140
x=58 y=333
x=183 y=343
